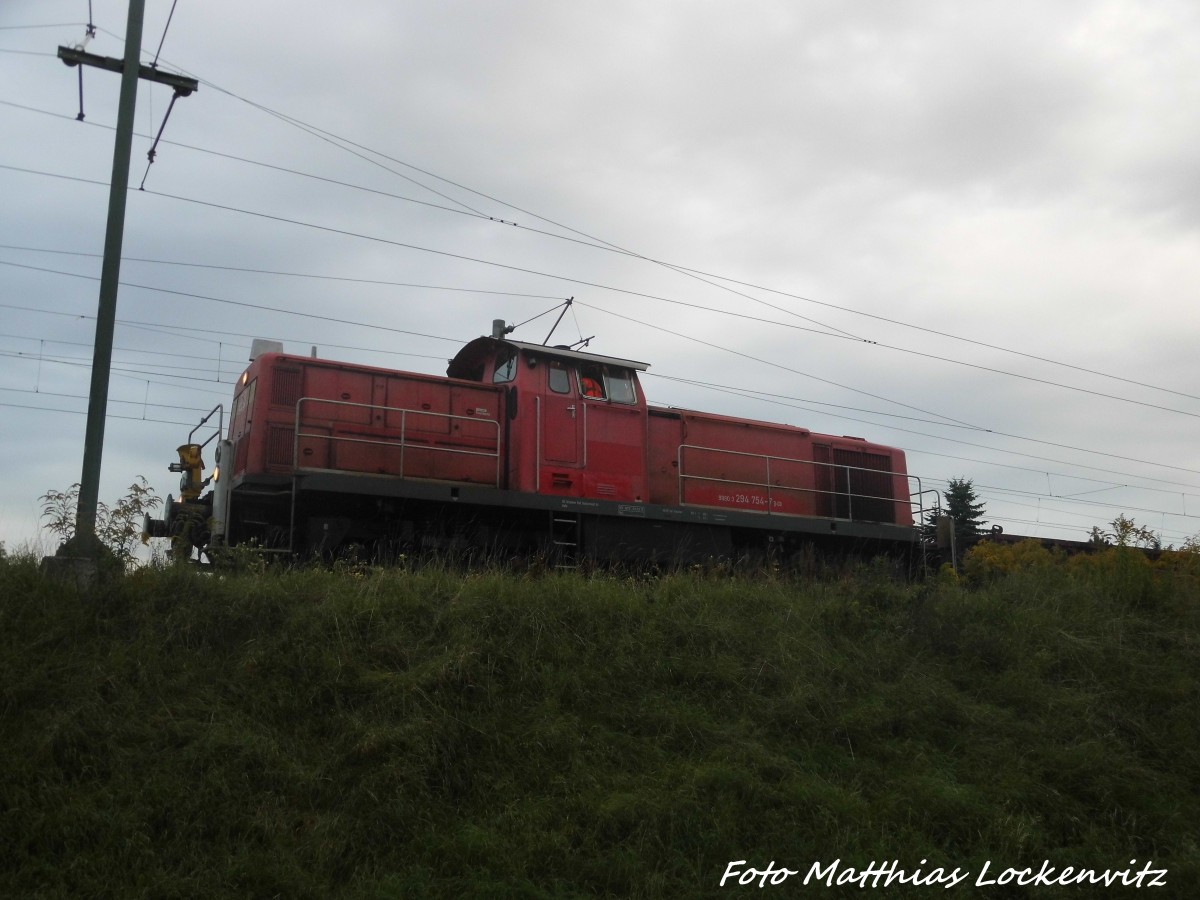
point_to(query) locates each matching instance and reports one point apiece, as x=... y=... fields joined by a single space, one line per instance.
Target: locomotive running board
x=476 y=495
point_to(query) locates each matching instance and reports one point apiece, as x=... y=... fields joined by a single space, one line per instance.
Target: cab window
x=619 y=385
x=560 y=380
x=591 y=381
x=506 y=366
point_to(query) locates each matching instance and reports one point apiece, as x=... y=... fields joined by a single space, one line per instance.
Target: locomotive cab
x=576 y=424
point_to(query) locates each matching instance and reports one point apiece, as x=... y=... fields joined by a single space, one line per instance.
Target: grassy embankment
x=433 y=734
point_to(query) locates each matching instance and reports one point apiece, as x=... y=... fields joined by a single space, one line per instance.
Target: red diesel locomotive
x=521 y=448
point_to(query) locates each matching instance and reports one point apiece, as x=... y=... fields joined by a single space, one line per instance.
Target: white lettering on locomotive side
x=758 y=501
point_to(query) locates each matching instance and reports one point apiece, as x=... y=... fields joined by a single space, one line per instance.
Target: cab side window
x=619 y=385
x=604 y=382
x=591 y=381
x=560 y=380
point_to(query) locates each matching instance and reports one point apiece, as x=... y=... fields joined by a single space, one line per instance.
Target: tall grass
x=369 y=733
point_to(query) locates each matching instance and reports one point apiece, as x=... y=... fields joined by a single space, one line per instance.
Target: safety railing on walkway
x=841 y=486
x=404 y=440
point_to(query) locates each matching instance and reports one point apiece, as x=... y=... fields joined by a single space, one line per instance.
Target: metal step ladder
x=564 y=539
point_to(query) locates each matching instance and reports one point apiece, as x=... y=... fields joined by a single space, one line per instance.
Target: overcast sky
x=968 y=229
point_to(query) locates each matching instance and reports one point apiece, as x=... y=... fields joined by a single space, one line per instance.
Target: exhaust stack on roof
x=259 y=346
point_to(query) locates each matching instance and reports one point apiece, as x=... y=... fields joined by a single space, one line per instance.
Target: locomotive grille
x=286 y=390
x=279 y=446
x=864 y=491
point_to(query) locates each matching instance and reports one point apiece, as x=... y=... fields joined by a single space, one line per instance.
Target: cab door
x=614 y=433
x=560 y=432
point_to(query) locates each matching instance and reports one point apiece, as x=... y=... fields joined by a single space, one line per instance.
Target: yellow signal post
x=191 y=465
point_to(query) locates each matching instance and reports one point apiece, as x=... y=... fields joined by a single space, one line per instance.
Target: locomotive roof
x=470 y=355
x=579 y=355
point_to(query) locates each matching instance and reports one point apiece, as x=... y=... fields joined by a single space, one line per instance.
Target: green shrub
x=118 y=527
x=988 y=560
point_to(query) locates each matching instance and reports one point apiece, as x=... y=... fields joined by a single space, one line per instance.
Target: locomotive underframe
x=331 y=513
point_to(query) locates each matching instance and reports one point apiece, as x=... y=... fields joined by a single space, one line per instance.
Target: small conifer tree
x=965 y=508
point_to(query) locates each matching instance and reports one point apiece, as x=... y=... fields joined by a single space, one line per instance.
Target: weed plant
x=370 y=733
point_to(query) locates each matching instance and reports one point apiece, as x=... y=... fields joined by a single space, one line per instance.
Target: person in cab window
x=590 y=383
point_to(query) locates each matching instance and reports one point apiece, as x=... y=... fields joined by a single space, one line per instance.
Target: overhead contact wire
x=591 y=242
x=669 y=300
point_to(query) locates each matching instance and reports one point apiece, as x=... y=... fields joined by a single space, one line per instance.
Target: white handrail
x=767 y=458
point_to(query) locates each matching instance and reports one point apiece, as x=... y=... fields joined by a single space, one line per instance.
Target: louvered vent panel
x=865 y=496
x=286 y=390
x=279 y=446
